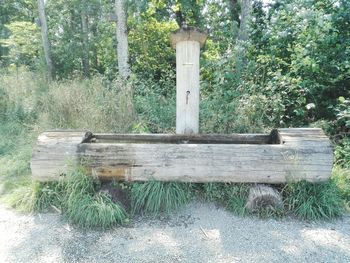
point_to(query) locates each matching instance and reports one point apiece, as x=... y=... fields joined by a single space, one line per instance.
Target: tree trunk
x=85 y=42
x=234 y=10
x=94 y=59
x=246 y=8
x=122 y=39
x=45 y=38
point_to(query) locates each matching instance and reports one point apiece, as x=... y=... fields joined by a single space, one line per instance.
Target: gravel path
x=198 y=233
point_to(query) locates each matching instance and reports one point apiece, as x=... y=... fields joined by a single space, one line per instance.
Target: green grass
x=341 y=178
x=237 y=198
x=154 y=198
x=310 y=201
x=23 y=198
x=50 y=195
x=86 y=207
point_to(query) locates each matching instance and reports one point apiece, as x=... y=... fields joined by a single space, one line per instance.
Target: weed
x=156 y=197
x=313 y=201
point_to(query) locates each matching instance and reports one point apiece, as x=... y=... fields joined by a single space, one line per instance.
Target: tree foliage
x=294 y=71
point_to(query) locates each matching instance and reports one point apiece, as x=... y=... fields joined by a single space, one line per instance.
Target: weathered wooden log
x=263 y=196
x=284 y=155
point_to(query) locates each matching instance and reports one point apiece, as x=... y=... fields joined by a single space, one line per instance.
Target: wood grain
x=296 y=157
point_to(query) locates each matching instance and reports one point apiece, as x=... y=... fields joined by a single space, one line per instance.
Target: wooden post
x=187 y=41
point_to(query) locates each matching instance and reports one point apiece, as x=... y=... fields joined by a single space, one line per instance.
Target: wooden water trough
x=283 y=155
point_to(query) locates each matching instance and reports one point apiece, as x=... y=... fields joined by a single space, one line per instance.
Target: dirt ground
x=197 y=233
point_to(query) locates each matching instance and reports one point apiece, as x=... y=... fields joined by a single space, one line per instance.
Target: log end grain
x=263 y=196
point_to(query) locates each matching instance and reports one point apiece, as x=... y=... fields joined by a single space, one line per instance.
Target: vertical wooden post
x=187 y=41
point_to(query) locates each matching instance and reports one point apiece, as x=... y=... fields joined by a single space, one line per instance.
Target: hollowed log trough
x=283 y=155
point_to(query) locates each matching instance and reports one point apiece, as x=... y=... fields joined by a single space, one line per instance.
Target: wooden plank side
x=207 y=162
x=54 y=152
x=298 y=156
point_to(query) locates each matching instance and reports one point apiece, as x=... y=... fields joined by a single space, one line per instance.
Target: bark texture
x=45 y=38
x=263 y=196
x=246 y=9
x=85 y=58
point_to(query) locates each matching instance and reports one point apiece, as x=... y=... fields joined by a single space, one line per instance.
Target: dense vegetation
x=291 y=69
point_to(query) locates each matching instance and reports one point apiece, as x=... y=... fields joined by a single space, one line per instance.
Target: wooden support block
x=263 y=196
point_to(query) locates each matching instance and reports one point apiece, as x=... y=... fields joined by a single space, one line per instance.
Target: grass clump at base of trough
x=76 y=197
x=304 y=200
x=310 y=201
x=86 y=207
x=153 y=197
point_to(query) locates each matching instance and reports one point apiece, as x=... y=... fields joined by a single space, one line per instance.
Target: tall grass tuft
x=237 y=198
x=87 y=208
x=156 y=197
x=310 y=201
